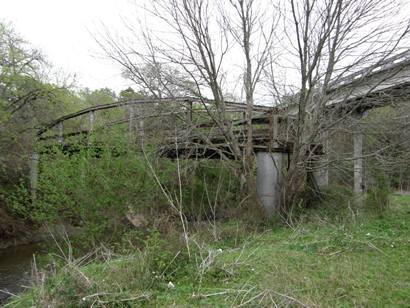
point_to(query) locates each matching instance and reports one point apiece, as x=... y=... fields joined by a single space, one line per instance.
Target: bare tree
x=200 y=37
x=323 y=42
x=253 y=26
x=331 y=39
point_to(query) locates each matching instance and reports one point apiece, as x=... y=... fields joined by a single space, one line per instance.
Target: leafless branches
x=304 y=50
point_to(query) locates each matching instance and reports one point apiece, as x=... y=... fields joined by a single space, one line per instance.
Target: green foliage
x=336 y=205
x=97 y=186
x=98 y=97
x=167 y=256
x=337 y=196
x=387 y=125
x=378 y=197
x=18 y=199
x=209 y=189
x=94 y=192
x=129 y=93
x=313 y=264
x=27 y=100
x=160 y=254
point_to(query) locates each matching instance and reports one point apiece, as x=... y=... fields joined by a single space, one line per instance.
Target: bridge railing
x=192 y=122
x=382 y=66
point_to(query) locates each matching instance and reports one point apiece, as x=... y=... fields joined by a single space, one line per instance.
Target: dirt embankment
x=13 y=231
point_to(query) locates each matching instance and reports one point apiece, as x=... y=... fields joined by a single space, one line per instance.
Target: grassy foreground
x=363 y=262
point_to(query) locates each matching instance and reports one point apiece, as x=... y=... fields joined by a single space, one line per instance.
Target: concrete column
x=189 y=112
x=323 y=172
x=321 y=176
x=34 y=159
x=318 y=173
x=317 y=176
x=131 y=112
x=91 y=119
x=320 y=164
x=273 y=131
x=269 y=179
x=141 y=131
x=60 y=128
x=358 y=163
x=131 y=125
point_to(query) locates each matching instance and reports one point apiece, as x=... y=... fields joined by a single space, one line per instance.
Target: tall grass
x=317 y=263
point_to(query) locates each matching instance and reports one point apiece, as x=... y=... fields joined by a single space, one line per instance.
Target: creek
x=15 y=269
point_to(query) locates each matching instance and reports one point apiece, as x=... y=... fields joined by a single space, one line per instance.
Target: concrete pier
x=34 y=160
x=131 y=125
x=321 y=174
x=60 y=131
x=269 y=179
x=91 y=119
x=358 y=163
x=131 y=115
x=141 y=131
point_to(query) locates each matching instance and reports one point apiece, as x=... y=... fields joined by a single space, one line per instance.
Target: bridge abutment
x=269 y=179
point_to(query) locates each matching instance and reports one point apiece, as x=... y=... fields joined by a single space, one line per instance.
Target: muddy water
x=15 y=269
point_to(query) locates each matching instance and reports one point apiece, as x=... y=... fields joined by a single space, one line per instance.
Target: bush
x=335 y=206
x=95 y=192
x=95 y=187
x=378 y=197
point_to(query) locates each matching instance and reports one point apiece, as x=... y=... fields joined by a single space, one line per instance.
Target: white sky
x=61 y=30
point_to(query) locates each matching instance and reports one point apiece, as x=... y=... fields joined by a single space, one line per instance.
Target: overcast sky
x=61 y=29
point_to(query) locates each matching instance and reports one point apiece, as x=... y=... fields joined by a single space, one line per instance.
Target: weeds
x=313 y=264
x=378 y=198
x=95 y=189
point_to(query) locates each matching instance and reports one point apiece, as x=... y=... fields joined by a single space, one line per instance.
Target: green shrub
x=94 y=187
x=95 y=192
x=18 y=200
x=378 y=197
x=336 y=205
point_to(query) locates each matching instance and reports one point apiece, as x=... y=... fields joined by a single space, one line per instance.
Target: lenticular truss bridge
x=189 y=121
x=191 y=127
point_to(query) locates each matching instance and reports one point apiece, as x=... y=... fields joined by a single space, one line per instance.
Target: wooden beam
x=119 y=104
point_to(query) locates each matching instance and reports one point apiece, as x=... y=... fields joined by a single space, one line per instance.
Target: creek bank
x=16 y=256
x=14 y=232
x=15 y=269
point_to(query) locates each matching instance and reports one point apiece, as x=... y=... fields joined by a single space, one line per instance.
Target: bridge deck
x=186 y=120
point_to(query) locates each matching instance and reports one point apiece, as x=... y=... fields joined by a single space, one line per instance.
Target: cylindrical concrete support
x=321 y=175
x=189 y=111
x=358 y=163
x=60 y=127
x=91 y=119
x=131 y=124
x=141 y=131
x=34 y=159
x=322 y=167
x=269 y=179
